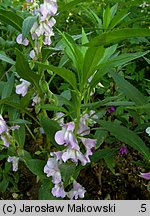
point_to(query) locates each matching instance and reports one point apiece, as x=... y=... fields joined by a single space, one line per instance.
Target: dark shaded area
x=125 y=184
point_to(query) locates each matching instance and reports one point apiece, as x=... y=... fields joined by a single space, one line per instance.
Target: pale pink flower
x=19 y=40
x=3 y=126
x=5 y=137
x=16 y=127
x=74 y=155
x=52 y=169
x=32 y=54
x=47 y=9
x=66 y=136
x=145 y=175
x=77 y=191
x=58 y=190
x=14 y=160
x=59 y=118
x=148 y=130
x=83 y=129
x=89 y=145
x=23 y=87
x=36 y=100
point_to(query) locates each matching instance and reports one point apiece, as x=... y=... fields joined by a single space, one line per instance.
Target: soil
x=125 y=184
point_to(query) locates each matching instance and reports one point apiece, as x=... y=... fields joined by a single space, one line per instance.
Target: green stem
x=30 y=132
x=78 y=114
x=40 y=48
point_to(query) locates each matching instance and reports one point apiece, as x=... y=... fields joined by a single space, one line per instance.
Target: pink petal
x=145 y=175
x=59 y=137
x=70 y=126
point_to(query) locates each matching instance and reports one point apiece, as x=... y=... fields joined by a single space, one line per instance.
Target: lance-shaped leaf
x=51 y=107
x=27 y=25
x=92 y=57
x=118 y=35
x=107 y=63
x=127 y=136
x=106 y=17
x=118 y=18
x=128 y=89
x=11 y=18
x=113 y=10
x=6 y=59
x=8 y=87
x=20 y=135
x=73 y=52
x=66 y=74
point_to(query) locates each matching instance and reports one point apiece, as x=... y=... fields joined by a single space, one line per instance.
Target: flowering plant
x=70 y=118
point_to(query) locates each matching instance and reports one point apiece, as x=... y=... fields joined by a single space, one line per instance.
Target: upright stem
x=78 y=114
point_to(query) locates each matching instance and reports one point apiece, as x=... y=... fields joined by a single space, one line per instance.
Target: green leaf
x=113 y=10
x=129 y=90
x=92 y=57
x=3 y=156
x=36 y=167
x=84 y=41
x=19 y=121
x=4 y=183
x=95 y=19
x=24 y=71
x=110 y=161
x=20 y=136
x=50 y=128
x=148 y=60
x=27 y=25
x=102 y=153
x=118 y=18
x=106 y=18
x=73 y=52
x=12 y=19
x=8 y=87
x=8 y=166
x=24 y=154
x=6 y=59
x=123 y=59
x=66 y=74
x=50 y=107
x=142 y=107
x=67 y=171
x=45 y=190
x=100 y=136
x=118 y=35
x=106 y=64
x=109 y=51
x=62 y=100
x=26 y=100
x=120 y=103
x=84 y=37
x=127 y=136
